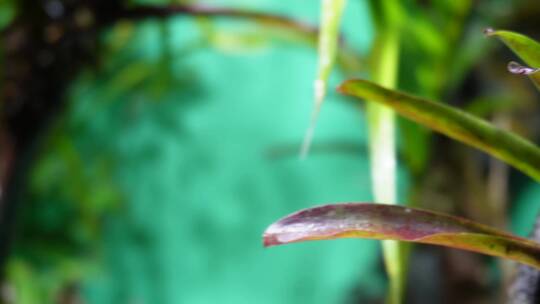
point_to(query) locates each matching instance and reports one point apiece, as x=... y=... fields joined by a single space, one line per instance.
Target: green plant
x=410 y=224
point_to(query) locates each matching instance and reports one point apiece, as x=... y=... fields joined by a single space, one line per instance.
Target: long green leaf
x=454 y=123
x=526 y=48
x=331 y=12
x=391 y=222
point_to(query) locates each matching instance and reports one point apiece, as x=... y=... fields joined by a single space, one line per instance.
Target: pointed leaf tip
x=348 y=85
x=331 y=13
x=526 y=48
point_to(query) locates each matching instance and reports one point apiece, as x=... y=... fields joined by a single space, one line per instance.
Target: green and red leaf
x=392 y=222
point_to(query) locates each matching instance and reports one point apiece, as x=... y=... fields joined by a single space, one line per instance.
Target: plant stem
x=346 y=59
x=382 y=141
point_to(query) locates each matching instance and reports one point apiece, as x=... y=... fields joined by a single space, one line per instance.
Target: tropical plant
x=364 y=220
x=428 y=36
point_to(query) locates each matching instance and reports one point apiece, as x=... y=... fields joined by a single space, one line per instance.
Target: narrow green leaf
x=331 y=12
x=526 y=48
x=391 y=222
x=454 y=123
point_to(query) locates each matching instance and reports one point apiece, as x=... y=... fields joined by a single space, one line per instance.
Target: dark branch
x=347 y=58
x=145 y=12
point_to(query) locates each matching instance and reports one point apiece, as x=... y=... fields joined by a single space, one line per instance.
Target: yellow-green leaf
x=454 y=123
x=526 y=48
x=331 y=12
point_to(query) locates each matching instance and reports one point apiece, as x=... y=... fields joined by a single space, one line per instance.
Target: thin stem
x=382 y=140
x=149 y=11
x=347 y=59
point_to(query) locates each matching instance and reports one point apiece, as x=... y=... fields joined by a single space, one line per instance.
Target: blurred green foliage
x=7 y=13
x=155 y=184
x=160 y=177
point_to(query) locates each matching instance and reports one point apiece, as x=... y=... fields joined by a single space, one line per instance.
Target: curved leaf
x=454 y=123
x=377 y=221
x=526 y=48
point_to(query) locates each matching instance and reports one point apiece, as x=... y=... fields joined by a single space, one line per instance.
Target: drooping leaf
x=391 y=222
x=454 y=123
x=331 y=12
x=526 y=48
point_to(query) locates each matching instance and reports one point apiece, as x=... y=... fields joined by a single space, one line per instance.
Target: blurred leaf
x=382 y=134
x=432 y=43
x=7 y=12
x=238 y=41
x=235 y=40
x=24 y=287
x=486 y=106
x=130 y=76
x=331 y=12
x=454 y=123
x=28 y=283
x=424 y=35
x=376 y=221
x=526 y=48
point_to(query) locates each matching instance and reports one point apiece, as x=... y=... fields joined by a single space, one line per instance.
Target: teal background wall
x=200 y=142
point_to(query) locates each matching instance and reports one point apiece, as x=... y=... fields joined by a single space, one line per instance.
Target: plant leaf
x=392 y=222
x=331 y=12
x=454 y=123
x=526 y=48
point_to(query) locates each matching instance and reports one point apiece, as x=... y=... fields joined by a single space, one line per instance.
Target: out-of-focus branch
x=347 y=58
x=148 y=11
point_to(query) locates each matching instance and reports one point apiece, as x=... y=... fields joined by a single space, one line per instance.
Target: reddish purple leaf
x=377 y=221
